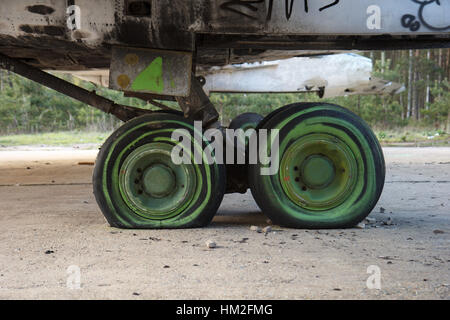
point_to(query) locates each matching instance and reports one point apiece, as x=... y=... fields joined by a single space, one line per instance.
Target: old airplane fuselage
x=79 y=34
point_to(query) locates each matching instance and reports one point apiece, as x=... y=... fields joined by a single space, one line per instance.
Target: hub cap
x=158 y=181
x=318 y=171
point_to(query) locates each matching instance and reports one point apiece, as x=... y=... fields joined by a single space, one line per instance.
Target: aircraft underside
x=218 y=32
x=330 y=164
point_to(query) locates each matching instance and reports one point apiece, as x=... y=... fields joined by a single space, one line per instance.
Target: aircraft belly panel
x=327 y=17
x=219 y=31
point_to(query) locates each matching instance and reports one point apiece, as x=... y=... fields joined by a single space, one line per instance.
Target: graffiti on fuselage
x=410 y=21
x=238 y=7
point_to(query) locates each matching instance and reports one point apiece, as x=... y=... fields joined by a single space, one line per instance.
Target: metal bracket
x=197 y=105
x=151 y=71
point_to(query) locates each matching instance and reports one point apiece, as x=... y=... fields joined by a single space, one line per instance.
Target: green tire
x=245 y=121
x=137 y=185
x=331 y=168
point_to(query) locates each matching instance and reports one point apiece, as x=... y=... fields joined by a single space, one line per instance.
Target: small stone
x=136 y=294
x=166 y=267
x=361 y=225
x=382 y=210
x=371 y=220
x=256 y=228
x=211 y=244
x=438 y=231
x=389 y=221
x=49 y=252
x=267 y=229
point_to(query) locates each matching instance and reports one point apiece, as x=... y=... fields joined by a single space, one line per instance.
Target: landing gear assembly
x=331 y=166
x=331 y=172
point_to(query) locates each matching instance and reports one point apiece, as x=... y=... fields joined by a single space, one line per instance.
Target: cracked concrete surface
x=49 y=221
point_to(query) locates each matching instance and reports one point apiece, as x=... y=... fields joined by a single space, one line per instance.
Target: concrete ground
x=51 y=227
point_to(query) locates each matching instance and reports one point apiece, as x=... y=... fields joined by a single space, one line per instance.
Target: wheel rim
x=318 y=172
x=152 y=186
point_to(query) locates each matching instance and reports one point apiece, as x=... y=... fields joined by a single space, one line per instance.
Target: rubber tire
x=237 y=173
x=246 y=118
x=267 y=190
x=116 y=212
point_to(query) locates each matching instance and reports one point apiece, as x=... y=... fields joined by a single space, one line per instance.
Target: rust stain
x=123 y=81
x=131 y=59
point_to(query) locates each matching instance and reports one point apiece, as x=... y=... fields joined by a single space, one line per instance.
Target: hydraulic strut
x=91 y=98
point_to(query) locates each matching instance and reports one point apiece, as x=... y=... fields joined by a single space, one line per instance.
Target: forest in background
x=27 y=107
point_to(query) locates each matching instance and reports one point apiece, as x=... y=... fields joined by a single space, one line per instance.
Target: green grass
x=71 y=138
x=62 y=139
x=412 y=135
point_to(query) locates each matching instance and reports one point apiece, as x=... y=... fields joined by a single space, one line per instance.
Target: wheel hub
x=153 y=186
x=158 y=181
x=317 y=171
